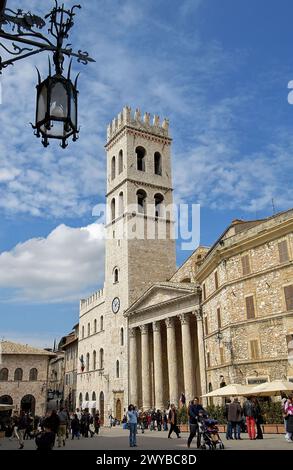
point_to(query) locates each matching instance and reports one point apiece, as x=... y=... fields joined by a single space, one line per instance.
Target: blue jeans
x=132 y=434
x=229 y=430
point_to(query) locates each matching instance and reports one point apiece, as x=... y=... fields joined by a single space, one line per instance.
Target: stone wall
x=18 y=390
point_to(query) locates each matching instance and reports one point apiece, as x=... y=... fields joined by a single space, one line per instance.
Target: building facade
x=154 y=332
x=246 y=280
x=70 y=348
x=24 y=377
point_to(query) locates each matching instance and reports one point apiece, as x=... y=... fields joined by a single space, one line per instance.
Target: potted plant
x=183 y=419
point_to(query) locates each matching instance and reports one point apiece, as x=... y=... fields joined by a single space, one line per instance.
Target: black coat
x=289 y=423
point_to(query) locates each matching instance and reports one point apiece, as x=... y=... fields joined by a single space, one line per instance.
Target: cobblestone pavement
x=117 y=439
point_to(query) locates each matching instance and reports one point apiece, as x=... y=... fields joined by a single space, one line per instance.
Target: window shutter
x=245 y=265
x=216 y=280
x=254 y=349
x=206 y=325
x=250 y=307
x=283 y=251
x=219 y=317
x=289 y=297
x=204 y=292
x=209 y=359
x=222 y=360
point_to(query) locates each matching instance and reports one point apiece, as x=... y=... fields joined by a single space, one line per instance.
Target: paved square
x=117 y=439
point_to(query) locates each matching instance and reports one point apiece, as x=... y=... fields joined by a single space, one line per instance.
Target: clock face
x=116 y=305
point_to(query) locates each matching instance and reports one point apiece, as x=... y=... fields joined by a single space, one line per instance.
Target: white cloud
x=61 y=267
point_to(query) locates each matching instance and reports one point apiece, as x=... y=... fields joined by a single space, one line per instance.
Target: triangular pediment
x=160 y=293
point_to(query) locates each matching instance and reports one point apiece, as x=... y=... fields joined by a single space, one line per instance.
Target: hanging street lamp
x=57 y=95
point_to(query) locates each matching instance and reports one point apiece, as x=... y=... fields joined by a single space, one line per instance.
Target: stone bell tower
x=139 y=194
x=140 y=248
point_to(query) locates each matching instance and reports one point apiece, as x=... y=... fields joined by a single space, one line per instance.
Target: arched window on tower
x=82 y=334
x=121 y=203
x=122 y=337
x=95 y=325
x=158 y=163
x=159 y=199
x=87 y=366
x=113 y=168
x=88 y=329
x=117 y=369
x=101 y=358
x=140 y=158
x=115 y=275
x=141 y=201
x=120 y=162
x=94 y=360
x=113 y=209
x=102 y=323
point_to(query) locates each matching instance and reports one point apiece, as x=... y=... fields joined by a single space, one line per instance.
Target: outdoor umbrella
x=272 y=388
x=230 y=391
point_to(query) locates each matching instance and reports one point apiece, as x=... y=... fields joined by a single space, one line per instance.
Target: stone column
x=187 y=356
x=172 y=361
x=159 y=403
x=133 y=366
x=201 y=354
x=145 y=366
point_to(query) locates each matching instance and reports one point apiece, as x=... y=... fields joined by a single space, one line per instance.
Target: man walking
x=234 y=418
x=193 y=411
x=250 y=413
x=63 y=424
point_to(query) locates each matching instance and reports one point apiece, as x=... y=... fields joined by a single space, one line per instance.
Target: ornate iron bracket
x=25 y=28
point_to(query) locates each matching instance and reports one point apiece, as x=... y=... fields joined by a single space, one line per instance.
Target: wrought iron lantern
x=56 y=109
x=57 y=96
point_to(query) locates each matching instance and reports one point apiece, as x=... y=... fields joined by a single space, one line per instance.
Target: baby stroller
x=208 y=434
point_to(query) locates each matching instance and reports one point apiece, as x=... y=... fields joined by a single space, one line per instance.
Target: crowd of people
x=54 y=428
x=57 y=426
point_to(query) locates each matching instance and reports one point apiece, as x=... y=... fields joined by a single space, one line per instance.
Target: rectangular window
x=206 y=325
x=208 y=359
x=254 y=349
x=250 y=311
x=245 y=265
x=222 y=359
x=289 y=297
x=216 y=280
x=219 y=318
x=204 y=291
x=283 y=251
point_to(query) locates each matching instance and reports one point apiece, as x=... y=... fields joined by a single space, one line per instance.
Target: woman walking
x=288 y=408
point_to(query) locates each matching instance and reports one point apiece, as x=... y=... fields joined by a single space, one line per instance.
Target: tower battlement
x=136 y=120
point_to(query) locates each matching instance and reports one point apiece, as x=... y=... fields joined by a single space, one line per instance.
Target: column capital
x=157 y=326
x=169 y=322
x=184 y=318
x=132 y=332
x=197 y=314
x=144 y=329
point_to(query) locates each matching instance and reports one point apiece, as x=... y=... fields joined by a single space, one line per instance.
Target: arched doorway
x=102 y=408
x=118 y=413
x=5 y=415
x=28 y=404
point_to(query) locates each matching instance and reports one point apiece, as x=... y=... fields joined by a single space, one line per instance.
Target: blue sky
x=218 y=69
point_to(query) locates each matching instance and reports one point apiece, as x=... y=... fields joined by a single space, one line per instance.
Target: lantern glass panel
x=42 y=103
x=58 y=102
x=73 y=110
